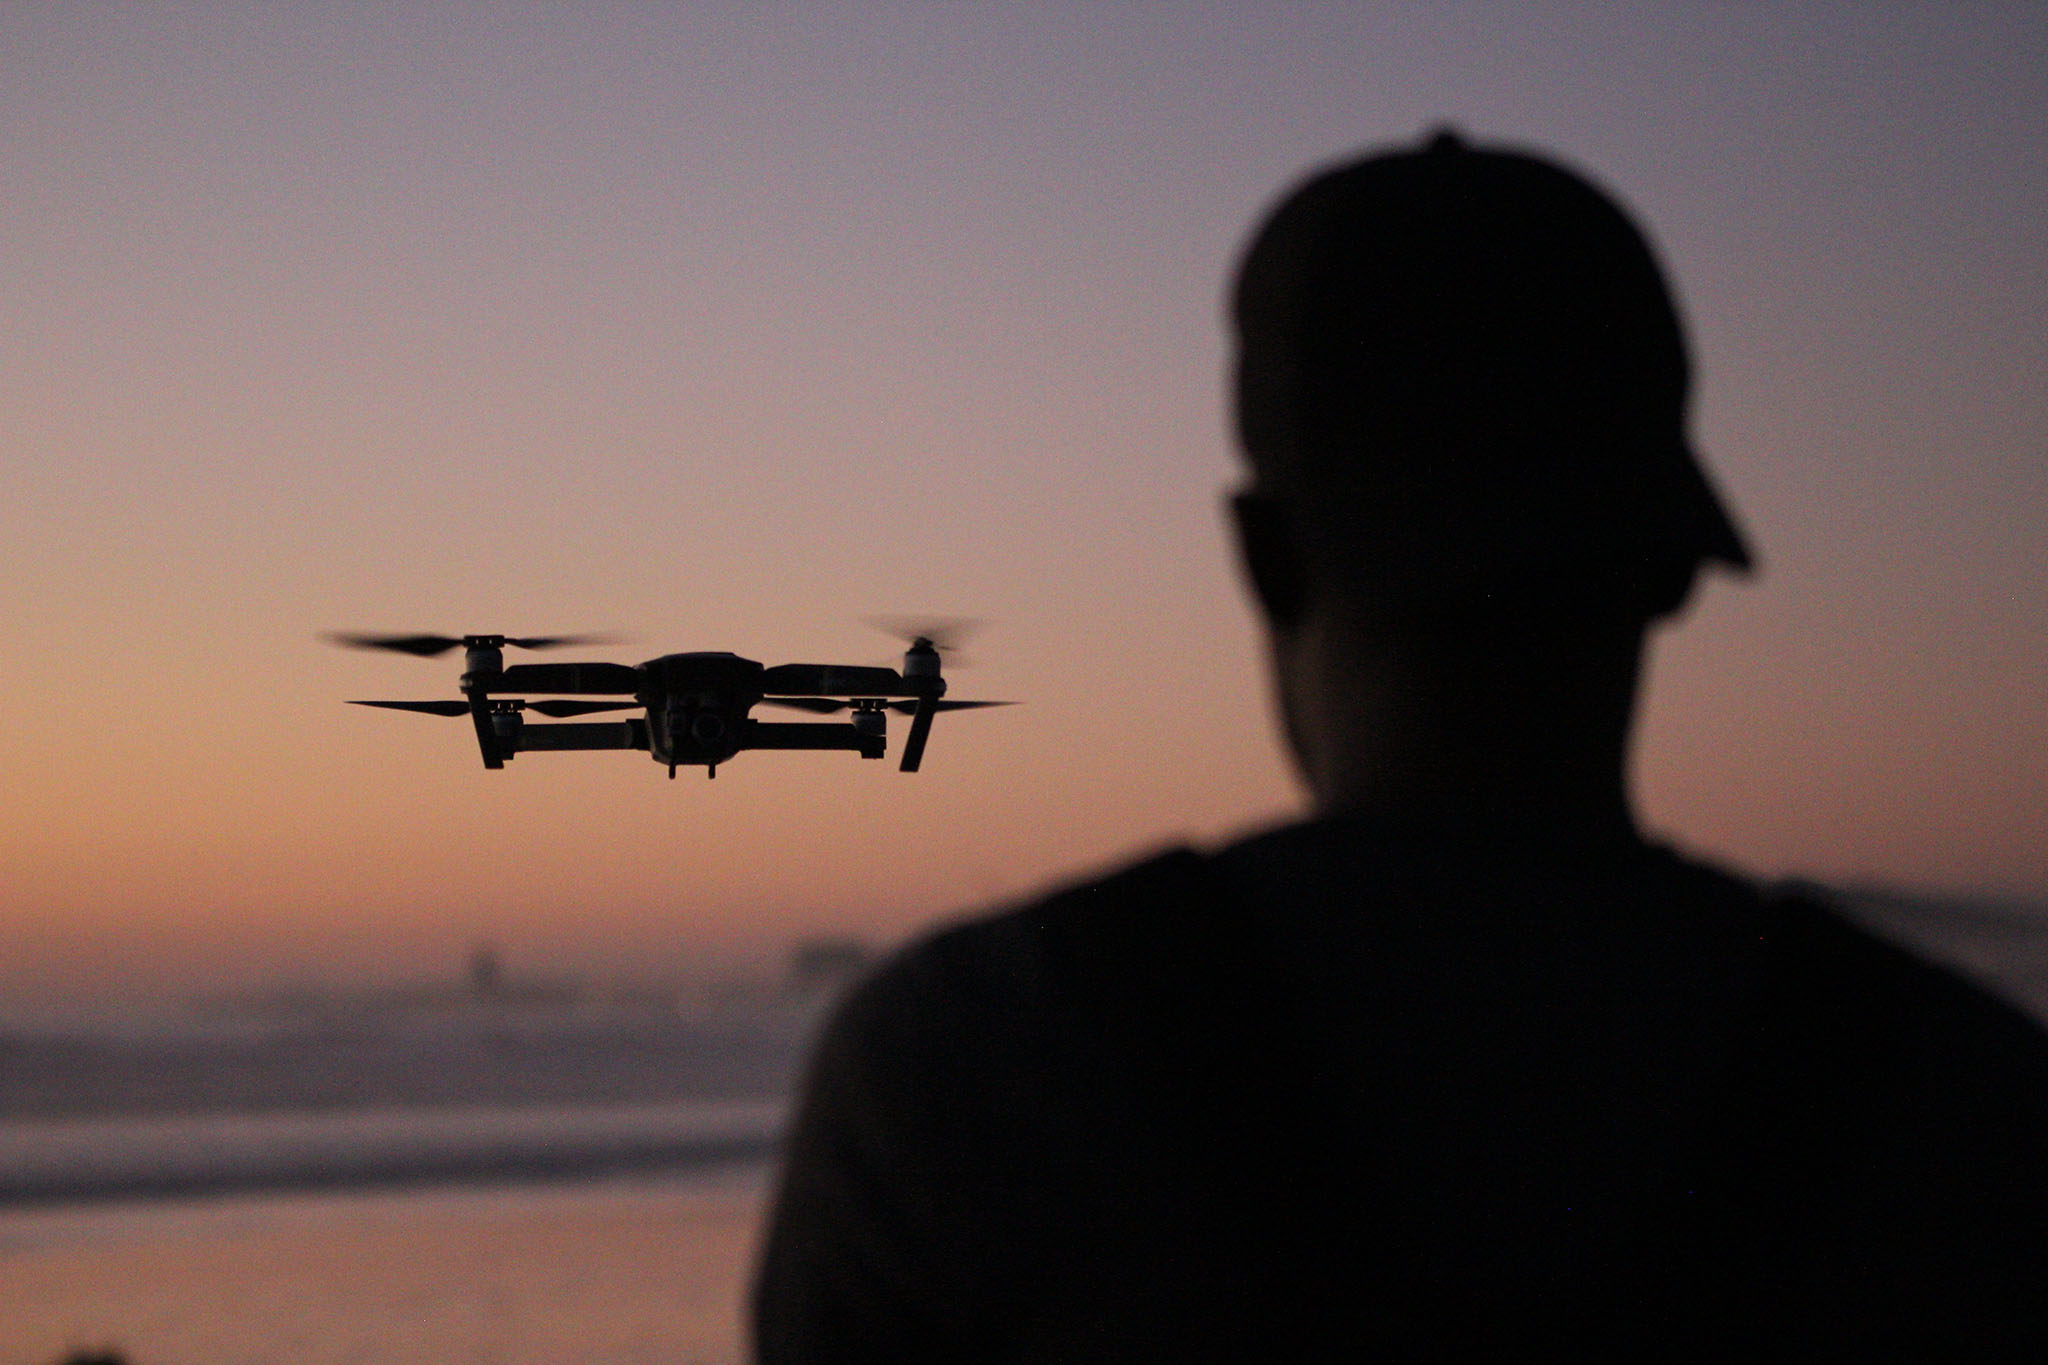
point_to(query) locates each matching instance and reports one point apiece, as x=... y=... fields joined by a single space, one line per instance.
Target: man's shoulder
x=1171 y=921
x=1018 y=963
x=1166 y=882
x=1176 y=911
x=1855 y=992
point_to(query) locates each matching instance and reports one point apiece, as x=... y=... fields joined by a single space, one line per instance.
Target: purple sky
x=725 y=329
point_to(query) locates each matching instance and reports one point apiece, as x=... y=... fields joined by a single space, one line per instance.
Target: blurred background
x=724 y=327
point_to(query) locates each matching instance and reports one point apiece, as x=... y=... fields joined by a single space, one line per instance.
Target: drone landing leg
x=711 y=770
x=671 y=772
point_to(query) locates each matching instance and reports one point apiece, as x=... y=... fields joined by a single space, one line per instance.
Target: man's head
x=1467 y=363
x=1462 y=390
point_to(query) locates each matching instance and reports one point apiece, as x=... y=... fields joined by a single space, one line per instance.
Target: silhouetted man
x=1463 y=1063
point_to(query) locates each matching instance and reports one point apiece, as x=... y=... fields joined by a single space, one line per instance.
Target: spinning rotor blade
x=427 y=646
x=577 y=708
x=826 y=706
x=823 y=706
x=557 y=709
x=943 y=633
x=909 y=708
x=430 y=708
x=559 y=641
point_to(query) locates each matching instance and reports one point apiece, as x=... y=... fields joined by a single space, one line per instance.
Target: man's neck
x=1495 y=814
x=1493 y=744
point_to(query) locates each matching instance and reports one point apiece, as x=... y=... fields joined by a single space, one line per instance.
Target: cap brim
x=1720 y=541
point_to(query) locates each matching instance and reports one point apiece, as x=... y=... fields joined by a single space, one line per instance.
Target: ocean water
x=447 y=1180
x=212 y=1102
x=45 y=1161
x=634 y=1269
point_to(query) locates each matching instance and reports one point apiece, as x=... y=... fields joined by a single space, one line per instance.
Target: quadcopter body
x=695 y=707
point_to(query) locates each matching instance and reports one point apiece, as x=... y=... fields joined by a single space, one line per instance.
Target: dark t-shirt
x=1328 y=1093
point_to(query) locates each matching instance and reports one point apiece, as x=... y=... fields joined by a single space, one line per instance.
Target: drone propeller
x=943 y=633
x=928 y=638
x=427 y=708
x=561 y=707
x=826 y=706
x=556 y=708
x=823 y=706
x=427 y=646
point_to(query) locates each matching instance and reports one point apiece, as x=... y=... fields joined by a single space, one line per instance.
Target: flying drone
x=696 y=705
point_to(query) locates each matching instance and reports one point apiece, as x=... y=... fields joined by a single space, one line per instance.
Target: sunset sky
x=725 y=327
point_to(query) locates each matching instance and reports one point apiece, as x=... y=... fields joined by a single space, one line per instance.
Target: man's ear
x=1270 y=546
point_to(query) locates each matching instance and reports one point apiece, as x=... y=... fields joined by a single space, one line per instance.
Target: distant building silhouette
x=827 y=962
x=486 y=971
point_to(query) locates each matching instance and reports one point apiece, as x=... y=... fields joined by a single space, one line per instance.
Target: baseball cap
x=1470 y=358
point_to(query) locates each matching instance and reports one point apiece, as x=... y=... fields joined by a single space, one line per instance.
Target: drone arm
x=595 y=678
x=833 y=680
x=602 y=734
x=486 y=733
x=801 y=734
x=920 y=731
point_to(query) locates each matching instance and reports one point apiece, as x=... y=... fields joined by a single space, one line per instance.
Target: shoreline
x=59 y=1163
